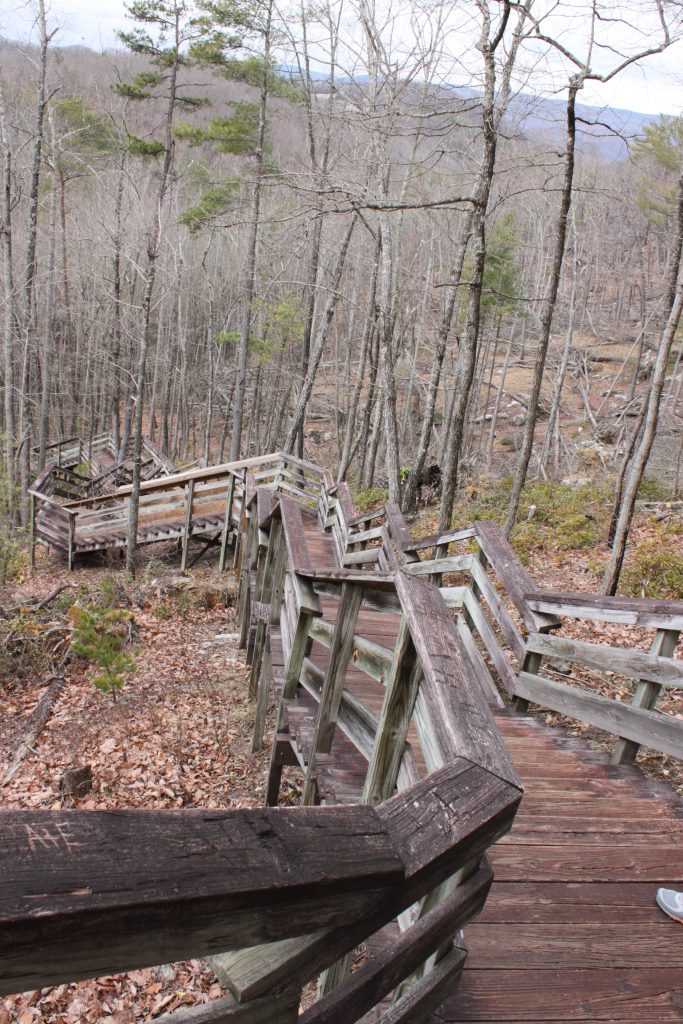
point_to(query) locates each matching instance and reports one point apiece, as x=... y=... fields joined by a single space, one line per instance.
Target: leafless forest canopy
x=349 y=257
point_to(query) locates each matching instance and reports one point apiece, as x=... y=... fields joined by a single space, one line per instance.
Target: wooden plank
x=558 y=903
x=561 y=994
x=630 y=611
x=227 y=518
x=657 y=864
x=499 y=612
x=488 y=638
x=451 y=563
x=478 y=665
x=646 y=693
x=270 y=1010
x=368 y=656
x=341 y=650
x=188 y=524
x=439 y=539
x=460 y=720
x=428 y=993
x=87 y=893
x=665 y=671
x=402 y=685
x=572 y=945
x=295 y=537
x=514 y=578
x=451 y=800
x=649 y=728
x=364 y=989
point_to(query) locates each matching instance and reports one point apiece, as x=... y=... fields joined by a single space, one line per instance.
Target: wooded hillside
x=250 y=230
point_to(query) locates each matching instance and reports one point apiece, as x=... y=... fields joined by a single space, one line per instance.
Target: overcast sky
x=654 y=88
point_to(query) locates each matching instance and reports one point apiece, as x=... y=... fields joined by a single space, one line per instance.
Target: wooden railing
x=284 y=894
x=636 y=723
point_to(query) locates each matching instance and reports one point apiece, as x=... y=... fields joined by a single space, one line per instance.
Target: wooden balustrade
x=283 y=894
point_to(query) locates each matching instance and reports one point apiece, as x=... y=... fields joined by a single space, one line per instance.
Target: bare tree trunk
x=46 y=353
x=366 y=345
x=548 y=308
x=299 y=413
x=153 y=243
x=250 y=261
x=496 y=404
x=551 y=439
x=9 y=325
x=30 y=271
x=615 y=564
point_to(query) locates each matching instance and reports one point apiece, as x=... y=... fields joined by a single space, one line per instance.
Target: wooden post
x=394 y=721
x=341 y=649
x=72 y=537
x=32 y=528
x=226 y=525
x=646 y=694
x=532 y=663
x=266 y=583
x=242 y=531
x=188 y=524
x=262 y=700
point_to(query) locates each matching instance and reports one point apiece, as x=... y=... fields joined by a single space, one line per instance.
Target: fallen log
x=36 y=724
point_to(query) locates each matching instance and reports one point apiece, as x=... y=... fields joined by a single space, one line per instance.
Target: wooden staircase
x=400 y=672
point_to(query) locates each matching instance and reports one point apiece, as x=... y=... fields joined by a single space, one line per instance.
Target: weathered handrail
x=194 y=883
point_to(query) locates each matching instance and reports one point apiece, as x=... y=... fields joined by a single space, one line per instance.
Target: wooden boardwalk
x=401 y=671
x=570 y=931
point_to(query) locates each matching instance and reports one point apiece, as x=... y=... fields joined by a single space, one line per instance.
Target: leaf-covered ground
x=178 y=735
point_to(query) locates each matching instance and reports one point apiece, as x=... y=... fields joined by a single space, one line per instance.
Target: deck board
x=571 y=931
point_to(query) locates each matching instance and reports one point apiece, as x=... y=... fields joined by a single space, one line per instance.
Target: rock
x=76 y=782
x=561 y=666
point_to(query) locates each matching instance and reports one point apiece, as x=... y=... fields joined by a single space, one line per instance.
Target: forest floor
x=178 y=733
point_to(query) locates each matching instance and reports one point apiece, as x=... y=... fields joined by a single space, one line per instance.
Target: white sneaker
x=671 y=902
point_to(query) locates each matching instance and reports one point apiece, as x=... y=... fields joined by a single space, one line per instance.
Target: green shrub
x=564 y=518
x=653 y=570
x=652 y=489
x=100 y=635
x=366 y=499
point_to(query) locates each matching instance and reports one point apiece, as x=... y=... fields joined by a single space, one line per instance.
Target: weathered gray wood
x=402 y=685
x=229 y=497
x=32 y=529
x=649 y=728
x=265 y=678
x=441 y=539
x=451 y=563
x=461 y=721
x=498 y=610
x=380 y=976
x=454 y=597
x=354 y=719
x=341 y=650
x=427 y=994
x=368 y=656
x=367 y=556
x=653 y=667
x=488 y=638
x=282 y=1009
x=631 y=611
x=71 y=551
x=87 y=893
x=514 y=578
x=293 y=669
x=479 y=666
x=648 y=690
